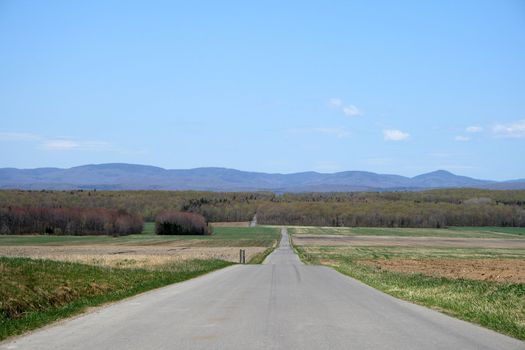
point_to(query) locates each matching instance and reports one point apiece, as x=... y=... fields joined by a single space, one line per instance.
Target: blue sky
x=276 y=86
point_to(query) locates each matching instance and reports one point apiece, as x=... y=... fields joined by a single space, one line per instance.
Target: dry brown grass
x=128 y=256
x=397 y=241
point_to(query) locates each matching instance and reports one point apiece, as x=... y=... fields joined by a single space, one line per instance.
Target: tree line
x=391 y=214
x=434 y=208
x=69 y=221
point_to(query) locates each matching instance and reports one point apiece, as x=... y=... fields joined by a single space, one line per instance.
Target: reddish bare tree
x=68 y=221
x=181 y=223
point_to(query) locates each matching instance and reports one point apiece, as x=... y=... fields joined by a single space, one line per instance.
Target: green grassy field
x=259 y=236
x=36 y=292
x=495 y=305
x=465 y=232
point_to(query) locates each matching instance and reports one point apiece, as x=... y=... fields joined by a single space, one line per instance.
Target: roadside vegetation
x=34 y=293
x=259 y=257
x=481 y=285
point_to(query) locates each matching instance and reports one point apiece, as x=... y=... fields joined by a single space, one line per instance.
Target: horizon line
x=258 y=172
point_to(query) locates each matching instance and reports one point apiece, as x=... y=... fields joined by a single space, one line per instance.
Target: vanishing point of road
x=281 y=304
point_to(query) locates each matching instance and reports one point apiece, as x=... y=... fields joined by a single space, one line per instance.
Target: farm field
x=480 y=284
x=459 y=232
x=144 y=249
x=223 y=237
x=308 y=307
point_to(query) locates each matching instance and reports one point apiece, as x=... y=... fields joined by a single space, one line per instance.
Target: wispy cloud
x=395 y=135
x=351 y=111
x=59 y=143
x=511 y=130
x=462 y=138
x=18 y=136
x=337 y=132
x=74 y=145
x=348 y=110
x=474 y=129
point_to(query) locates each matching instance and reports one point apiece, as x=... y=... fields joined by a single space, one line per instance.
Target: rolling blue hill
x=118 y=176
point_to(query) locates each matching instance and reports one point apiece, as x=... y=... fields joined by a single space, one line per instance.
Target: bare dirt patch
x=128 y=256
x=333 y=240
x=499 y=270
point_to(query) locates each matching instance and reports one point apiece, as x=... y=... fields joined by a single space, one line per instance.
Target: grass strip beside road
x=495 y=305
x=34 y=293
x=259 y=258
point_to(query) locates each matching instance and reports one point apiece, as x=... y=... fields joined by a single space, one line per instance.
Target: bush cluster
x=181 y=223
x=68 y=221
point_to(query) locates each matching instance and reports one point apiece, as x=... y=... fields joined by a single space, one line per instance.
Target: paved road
x=280 y=305
x=253 y=223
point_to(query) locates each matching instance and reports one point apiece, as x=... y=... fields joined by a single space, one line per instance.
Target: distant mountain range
x=117 y=176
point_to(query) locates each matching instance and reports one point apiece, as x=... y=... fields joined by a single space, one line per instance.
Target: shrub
x=181 y=223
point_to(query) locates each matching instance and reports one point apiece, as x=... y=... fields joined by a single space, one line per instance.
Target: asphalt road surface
x=282 y=304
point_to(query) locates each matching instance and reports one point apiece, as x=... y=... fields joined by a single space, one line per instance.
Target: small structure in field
x=181 y=223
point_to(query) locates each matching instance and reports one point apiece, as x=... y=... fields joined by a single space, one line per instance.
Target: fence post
x=244 y=256
x=240 y=256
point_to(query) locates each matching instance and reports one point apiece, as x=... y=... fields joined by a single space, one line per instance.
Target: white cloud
x=335 y=102
x=474 y=128
x=57 y=144
x=511 y=130
x=462 y=138
x=395 y=135
x=337 y=132
x=74 y=145
x=351 y=111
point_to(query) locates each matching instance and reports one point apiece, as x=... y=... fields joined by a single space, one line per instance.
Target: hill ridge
x=146 y=177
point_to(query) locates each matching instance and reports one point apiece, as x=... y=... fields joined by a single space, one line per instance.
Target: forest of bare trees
x=68 y=221
x=391 y=214
x=435 y=208
x=181 y=223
